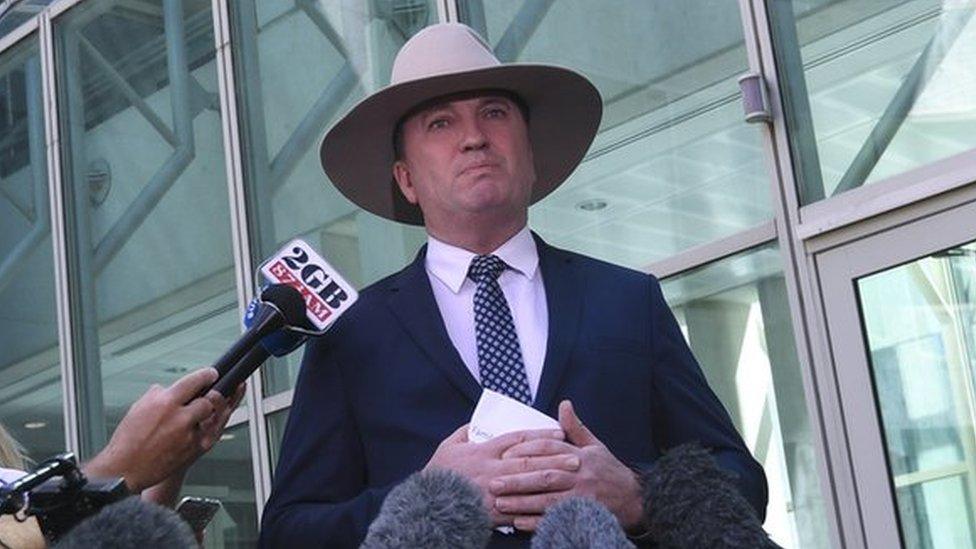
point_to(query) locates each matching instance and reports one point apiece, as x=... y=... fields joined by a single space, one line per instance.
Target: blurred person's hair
x=11 y=452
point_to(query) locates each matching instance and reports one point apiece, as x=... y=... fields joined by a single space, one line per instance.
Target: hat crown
x=441 y=49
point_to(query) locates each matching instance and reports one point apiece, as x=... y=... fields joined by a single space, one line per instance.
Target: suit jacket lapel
x=412 y=302
x=565 y=305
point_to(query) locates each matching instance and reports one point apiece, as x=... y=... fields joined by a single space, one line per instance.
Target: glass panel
x=226 y=474
x=874 y=89
x=150 y=254
x=674 y=164
x=276 y=430
x=30 y=393
x=920 y=324
x=736 y=318
x=285 y=110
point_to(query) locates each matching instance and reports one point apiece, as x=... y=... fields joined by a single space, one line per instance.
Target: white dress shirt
x=447 y=269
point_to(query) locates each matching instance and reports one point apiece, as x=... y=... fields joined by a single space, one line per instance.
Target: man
x=471 y=143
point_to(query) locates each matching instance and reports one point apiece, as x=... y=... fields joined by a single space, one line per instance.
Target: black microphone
x=579 y=523
x=130 y=523
x=689 y=501
x=435 y=509
x=281 y=305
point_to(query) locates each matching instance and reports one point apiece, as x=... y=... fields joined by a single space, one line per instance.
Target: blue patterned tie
x=499 y=354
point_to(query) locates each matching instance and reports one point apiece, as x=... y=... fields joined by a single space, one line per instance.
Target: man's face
x=467 y=156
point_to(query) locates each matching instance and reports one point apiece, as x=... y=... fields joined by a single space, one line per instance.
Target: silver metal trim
x=58 y=7
x=13 y=37
x=713 y=251
x=823 y=408
x=447 y=11
x=278 y=401
x=58 y=233
x=886 y=195
x=260 y=458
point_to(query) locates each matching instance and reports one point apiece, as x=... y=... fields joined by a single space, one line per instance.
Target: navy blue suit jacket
x=379 y=392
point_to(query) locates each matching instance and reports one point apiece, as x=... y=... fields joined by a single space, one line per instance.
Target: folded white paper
x=497 y=414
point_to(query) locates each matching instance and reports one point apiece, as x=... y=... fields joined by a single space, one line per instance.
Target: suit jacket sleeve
x=320 y=497
x=686 y=410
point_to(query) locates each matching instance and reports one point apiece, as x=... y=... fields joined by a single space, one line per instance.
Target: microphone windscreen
x=436 y=509
x=689 y=501
x=130 y=523
x=577 y=523
x=288 y=300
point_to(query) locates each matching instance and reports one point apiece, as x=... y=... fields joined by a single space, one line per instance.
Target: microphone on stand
x=579 y=523
x=690 y=502
x=435 y=509
x=130 y=523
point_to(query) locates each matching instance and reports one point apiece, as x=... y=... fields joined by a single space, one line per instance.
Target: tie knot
x=485 y=268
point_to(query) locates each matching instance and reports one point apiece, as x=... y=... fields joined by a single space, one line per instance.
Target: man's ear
x=401 y=173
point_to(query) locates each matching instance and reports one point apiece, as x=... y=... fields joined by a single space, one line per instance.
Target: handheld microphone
x=307 y=296
x=280 y=306
x=130 y=523
x=579 y=523
x=690 y=502
x=436 y=509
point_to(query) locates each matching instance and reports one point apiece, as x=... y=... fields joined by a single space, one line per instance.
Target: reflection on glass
x=30 y=395
x=920 y=324
x=874 y=88
x=674 y=164
x=150 y=261
x=276 y=430
x=736 y=317
x=226 y=474
x=299 y=66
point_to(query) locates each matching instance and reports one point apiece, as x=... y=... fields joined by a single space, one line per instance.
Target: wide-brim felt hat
x=564 y=114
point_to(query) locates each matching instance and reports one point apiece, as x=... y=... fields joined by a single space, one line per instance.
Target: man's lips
x=478 y=166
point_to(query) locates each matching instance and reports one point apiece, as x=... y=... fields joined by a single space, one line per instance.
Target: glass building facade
x=818 y=256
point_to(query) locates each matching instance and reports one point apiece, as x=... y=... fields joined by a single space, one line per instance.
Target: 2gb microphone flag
x=327 y=295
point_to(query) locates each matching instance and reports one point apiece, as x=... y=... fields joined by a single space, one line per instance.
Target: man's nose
x=473 y=136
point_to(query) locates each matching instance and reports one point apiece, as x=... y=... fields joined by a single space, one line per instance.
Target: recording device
x=690 y=502
x=130 y=523
x=59 y=495
x=198 y=512
x=579 y=523
x=306 y=296
x=436 y=509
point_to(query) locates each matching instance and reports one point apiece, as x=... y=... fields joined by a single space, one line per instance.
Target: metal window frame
x=931 y=228
x=260 y=459
x=825 y=414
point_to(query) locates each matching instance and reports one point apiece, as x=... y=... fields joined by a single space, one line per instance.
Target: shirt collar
x=450 y=263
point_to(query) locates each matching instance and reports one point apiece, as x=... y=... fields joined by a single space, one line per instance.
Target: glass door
x=901 y=315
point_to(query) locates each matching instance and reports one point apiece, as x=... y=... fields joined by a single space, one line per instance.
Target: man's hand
x=164 y=432
x=481 y=462
x=600 y=476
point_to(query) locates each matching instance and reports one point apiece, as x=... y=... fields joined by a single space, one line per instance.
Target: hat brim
x=564 y=109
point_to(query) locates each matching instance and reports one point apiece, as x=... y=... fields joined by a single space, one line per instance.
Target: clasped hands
x=523 y=473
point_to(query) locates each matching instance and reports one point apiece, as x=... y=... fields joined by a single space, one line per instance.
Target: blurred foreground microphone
x=579 y=523
x=689 y=502
x=130 y=523
x=436 y=509
x=310 y=296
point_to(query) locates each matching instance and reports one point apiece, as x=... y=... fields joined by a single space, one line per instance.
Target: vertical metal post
x=58 y=233
x=819 y=382
x=84 y=318
x=233 y=158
